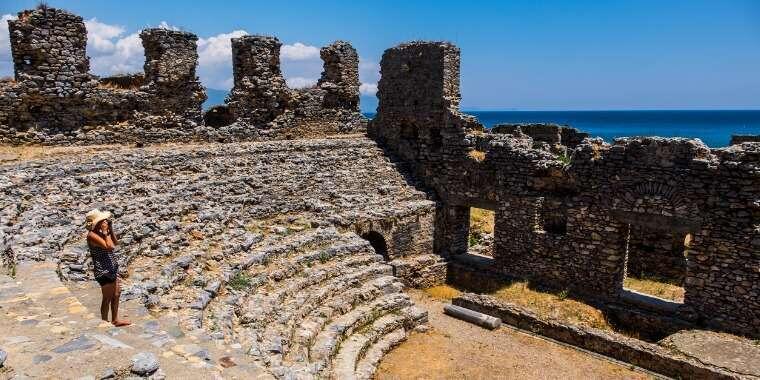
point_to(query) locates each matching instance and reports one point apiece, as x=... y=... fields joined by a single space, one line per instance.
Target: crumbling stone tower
x=57 y=67
x=260 y=93
x=262 y=100
x=419 y=98
x=340 y=78
x=171 y=57
x=51 y=73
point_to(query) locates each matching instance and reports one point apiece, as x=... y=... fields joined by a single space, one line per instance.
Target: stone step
x=328 y=341
x=367 y=366
x=358 y=291
x=267 y=301
x=268 y=251
x=280 y=332
x=353 y=348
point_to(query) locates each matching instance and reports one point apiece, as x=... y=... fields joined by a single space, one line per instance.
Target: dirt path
x=453 y=349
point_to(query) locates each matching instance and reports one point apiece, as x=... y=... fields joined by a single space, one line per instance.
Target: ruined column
x=340 y=78
x=419 y=77
x=259 y=93
x=171 y=57
x=48 y=46
x=419 y=96
x=51 y=67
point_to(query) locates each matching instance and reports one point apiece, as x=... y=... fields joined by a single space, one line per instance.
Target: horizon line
x=464 y=109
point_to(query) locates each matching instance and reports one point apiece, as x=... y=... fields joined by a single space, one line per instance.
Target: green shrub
x=564 y=158
x=241 y=281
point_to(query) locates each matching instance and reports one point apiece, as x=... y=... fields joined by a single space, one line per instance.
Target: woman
x=102 y=240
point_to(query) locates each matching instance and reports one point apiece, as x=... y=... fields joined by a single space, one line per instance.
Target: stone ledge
x=646 y=355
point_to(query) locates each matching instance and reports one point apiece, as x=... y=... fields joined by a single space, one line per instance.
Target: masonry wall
x=53 y=98
x=672 y=186
x=261 y=100
x=170 y=60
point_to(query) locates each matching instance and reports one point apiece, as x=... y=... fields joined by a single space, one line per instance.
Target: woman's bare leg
x=107 y=290
x=115 y=306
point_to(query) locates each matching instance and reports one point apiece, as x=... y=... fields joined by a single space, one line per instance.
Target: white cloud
x=298 y=52
x=6 y=62
x=300 y=64
x=369 y=74
x=215 y=59
x=368 y=88
x=100 y=35
x=300 y=82
x=165 y=25
x=113 y=52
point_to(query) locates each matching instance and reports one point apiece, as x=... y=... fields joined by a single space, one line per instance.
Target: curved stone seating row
x=250 y=247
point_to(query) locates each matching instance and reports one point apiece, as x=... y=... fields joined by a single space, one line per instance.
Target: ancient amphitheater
x=279 y=235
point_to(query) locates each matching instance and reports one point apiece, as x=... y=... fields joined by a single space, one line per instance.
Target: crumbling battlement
x=573 y=221
x=170 y=60
x=55 y=100
x=262 y=100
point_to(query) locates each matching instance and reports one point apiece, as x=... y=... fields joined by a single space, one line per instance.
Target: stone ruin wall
x=597 y=204
x=260 y=96
x=53 y=98
x=739 y=139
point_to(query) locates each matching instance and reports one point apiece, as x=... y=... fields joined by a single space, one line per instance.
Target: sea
x=714 y=128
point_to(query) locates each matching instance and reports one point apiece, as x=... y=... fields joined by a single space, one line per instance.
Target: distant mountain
x=367 y=103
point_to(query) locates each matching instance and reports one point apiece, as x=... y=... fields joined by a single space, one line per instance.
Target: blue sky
x=528 y=55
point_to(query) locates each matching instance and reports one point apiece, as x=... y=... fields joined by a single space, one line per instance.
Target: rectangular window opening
x=656 y=262
x=481 y=232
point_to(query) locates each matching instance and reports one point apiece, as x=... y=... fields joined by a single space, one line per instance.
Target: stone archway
x=377 y=241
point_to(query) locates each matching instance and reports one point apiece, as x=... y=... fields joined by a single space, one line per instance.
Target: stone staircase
x=323 y=305
x=290 y=301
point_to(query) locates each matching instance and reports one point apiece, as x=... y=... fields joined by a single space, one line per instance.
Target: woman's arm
x=113 y=234
x=95 y=239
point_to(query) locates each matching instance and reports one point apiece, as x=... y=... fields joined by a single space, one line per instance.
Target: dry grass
x=443 y=292
x=545 y=304
x=115 y=87
x=555 y=305
x=656 y=288
x=477 y=155
x=481 y=220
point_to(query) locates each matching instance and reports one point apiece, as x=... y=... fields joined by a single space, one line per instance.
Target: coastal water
x=714 y=128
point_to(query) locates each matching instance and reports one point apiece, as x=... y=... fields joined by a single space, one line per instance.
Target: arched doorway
x=377 y=241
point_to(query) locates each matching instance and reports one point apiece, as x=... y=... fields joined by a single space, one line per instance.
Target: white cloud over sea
x=114 y=50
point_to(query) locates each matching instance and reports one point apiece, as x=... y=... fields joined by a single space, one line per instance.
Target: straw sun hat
x=94 y=217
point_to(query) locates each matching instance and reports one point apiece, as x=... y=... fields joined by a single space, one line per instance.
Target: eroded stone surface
x=264 y=257
x=721 y=350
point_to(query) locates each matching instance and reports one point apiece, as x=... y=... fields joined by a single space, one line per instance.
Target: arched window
x=377 y=241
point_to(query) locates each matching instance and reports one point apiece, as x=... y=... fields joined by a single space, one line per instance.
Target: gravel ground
x=454 y=349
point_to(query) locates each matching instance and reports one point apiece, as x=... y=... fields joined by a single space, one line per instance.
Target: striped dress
x=104 y=262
